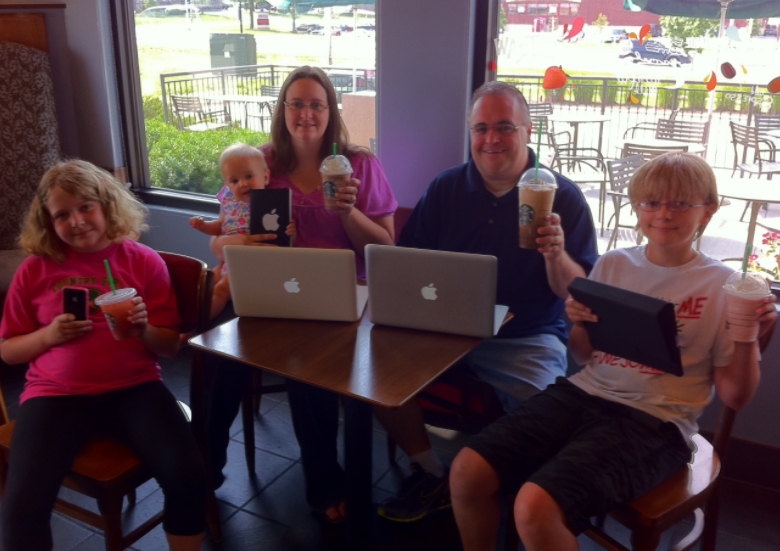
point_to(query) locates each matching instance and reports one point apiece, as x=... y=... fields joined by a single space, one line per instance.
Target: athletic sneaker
x=421 y=493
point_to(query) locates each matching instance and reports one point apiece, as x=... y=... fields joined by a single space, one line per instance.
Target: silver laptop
x=280 y=282
x=434 y=290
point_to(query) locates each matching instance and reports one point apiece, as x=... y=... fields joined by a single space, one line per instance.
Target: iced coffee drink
x=336 y=173
x=536 y=191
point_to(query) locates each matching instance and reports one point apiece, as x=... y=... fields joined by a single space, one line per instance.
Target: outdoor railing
x=627 y=102
x=249 y=81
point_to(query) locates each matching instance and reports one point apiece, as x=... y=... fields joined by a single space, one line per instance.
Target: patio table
x=575 y=118
x=756 y=192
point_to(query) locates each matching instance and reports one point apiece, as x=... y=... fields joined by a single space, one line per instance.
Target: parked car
x=616 y=35
x=653 y=52
x=169 y=11
x=770 y=30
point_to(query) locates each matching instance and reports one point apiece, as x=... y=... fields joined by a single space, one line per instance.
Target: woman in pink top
x=305 y=126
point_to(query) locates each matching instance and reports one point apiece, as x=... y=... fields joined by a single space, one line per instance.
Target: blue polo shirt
x=457 y=213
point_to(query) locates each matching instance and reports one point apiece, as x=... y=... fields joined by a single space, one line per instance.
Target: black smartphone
x=75 y=300
x=270 y=210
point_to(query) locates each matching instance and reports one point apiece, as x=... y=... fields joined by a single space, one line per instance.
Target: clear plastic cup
x=536 y=192
x=115 y=307
x=745 y=292
x=336 y=171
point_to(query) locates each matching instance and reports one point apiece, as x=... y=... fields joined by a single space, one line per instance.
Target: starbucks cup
x=745 y=292
x=336 y=172
x=536 y=191
x=115 y=307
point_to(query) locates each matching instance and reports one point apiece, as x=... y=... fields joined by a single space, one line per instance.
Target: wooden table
x=575 y=118
x=757 y=192
x=368 y=365
x=695 y=148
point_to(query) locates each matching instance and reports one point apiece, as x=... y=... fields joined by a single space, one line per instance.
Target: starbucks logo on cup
x=329 y=189
x=527 y=214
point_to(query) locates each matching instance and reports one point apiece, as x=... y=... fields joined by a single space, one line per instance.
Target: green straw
x=110 y=277
x=538 y=150
x=748 y=250
x=335 y=149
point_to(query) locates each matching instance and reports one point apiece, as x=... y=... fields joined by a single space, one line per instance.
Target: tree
x=502 y=19
x=689 y=27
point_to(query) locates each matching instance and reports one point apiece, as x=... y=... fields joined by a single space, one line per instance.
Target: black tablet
x=270 y=212
x=631 y=325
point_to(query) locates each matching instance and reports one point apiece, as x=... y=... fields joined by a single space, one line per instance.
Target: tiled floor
x=268 y=512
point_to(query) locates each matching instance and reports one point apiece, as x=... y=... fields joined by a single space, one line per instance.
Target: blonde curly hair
x=125 y=214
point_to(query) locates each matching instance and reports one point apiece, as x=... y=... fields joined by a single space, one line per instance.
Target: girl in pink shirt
x=81 y=380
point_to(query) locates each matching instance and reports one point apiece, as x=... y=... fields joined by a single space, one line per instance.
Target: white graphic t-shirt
x=696 y=291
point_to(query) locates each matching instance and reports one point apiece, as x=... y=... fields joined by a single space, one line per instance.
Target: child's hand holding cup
x=745 y=293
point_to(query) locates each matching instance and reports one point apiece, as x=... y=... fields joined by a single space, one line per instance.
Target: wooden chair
x=693 y=490
x=753 y=154
x=649 y=152
x=106 y=469
x=191 y=115
x=620 y=173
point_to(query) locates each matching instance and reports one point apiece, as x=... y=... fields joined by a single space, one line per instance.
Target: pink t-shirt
x=322 y=229
x=94 y=363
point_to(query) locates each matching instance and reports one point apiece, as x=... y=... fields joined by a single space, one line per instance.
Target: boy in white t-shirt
x=616 y=429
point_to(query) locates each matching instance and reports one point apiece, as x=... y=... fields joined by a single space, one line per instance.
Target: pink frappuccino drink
x=115 y=307
x=745 y=292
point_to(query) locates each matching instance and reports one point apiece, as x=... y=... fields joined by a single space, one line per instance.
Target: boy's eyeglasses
x=673 y=206
x=505 y=129
x=300 y=106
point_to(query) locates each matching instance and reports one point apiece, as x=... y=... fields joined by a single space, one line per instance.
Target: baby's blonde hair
x=125 y=214
x=241 y=150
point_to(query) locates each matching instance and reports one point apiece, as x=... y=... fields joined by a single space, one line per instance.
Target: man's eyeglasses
x=673 y=206
x=505 y=129
x=300 y=106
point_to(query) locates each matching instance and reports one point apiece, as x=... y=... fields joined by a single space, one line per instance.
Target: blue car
x=654 y=52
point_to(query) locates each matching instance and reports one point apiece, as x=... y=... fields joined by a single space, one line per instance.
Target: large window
x=210 y=76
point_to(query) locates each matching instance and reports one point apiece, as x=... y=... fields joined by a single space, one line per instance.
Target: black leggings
x=50 y=432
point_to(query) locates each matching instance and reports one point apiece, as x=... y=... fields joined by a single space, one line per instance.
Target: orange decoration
x=633 y=98
x=632 y=35
x=744 y=69
x=712 y=82
x=554 y=78
x=774 y=85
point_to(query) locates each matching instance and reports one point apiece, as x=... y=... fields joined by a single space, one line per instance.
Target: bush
x=187 y=161
x=153 y=107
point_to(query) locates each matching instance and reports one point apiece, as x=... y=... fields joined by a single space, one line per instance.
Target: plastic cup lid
x=113 y=298
x=336 y=164
x=748 y=283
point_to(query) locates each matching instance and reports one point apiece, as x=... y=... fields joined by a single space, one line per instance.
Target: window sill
x=178 y=199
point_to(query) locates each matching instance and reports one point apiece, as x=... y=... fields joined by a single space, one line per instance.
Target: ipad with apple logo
x=270 y=211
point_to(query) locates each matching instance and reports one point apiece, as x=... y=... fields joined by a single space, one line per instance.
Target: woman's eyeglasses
x=505 y=129
x=673 y=206
x=300 y=106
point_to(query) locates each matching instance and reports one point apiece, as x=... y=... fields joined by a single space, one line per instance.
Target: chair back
x=192 y=281
x=621 y=170
x=270 y=91
x=744 y=138
x=764 y=123
x=540 y=109
x=650 y=152
x=187 y=106
x=682 y=131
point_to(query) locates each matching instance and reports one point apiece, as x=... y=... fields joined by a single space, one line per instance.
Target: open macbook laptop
x=279 y=282
x=434 y=290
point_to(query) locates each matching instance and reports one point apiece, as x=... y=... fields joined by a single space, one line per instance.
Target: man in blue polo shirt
x=473 y=208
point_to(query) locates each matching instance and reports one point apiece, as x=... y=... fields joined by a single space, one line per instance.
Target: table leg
x=358 y=416
x=198 y=406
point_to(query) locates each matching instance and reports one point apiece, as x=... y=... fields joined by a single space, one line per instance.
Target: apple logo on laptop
x=271 y=221
x=429 y=292
x=292 y=286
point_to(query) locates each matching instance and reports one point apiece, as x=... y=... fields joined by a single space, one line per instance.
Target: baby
x=243 y=169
